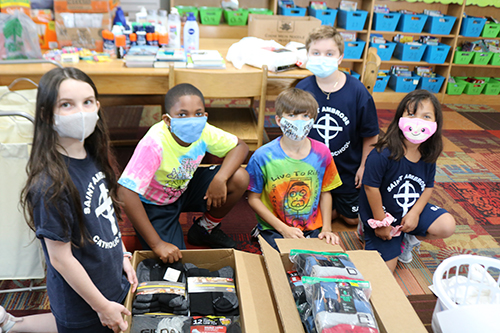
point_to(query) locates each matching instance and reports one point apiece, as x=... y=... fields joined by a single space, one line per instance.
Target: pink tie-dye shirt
x=160 y=169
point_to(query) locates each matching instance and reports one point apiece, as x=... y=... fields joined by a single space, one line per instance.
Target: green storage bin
x=260 y=11
x=236 y=17
x=491 y=30
x=473 y=88
x=495 y=59
x=461 y=57
x=481 y=58
x=492 y=86
x=456 y=88
x=210 y=15
x=184 y=10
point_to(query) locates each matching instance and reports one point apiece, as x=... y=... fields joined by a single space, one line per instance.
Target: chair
x=371 y=70
x=230 y=84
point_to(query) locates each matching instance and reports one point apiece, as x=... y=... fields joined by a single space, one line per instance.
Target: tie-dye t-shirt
x=160 y=169
x=291 y=188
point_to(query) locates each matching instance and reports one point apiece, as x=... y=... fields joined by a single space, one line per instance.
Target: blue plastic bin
x=385 y=22
x=327 y=16
x=384 y=51
x=436 y=54
x=381 y=82
x=440 y=25
x=407 y=52
x=472 y=26
x=354 y=50
x=404 y=84
x=433 y=84
x=296 y=11
x=352 y=20
x=413 y=23
x=355 y=75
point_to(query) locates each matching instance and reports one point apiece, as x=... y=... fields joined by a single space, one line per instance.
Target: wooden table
x=120 y=85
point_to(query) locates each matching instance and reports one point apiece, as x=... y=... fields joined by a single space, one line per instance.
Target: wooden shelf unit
x=454 y=39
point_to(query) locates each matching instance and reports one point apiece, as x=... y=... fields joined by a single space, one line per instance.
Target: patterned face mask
x=296 y=130
x=417 y=130
x=79 y=125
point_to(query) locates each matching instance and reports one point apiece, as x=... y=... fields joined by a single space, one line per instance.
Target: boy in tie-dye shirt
x=291 y=176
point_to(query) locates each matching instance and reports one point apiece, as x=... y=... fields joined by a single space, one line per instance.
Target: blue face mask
x=187 y=129
x=322 y=66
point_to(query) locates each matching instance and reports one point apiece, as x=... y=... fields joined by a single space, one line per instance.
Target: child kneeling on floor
x=163 y=178
x=399 y=179
x=291 y=176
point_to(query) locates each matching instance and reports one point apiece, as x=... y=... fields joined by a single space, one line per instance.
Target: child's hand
x=111 y=316
x=291 y=232
x=359 y=176
x=167 y=252
x=383 y=232
x=130 y=271
x=409 y=222
x=330 y=237
x=216 y=193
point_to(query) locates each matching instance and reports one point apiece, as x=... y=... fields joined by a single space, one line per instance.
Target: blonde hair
x=296 y=101
x=325 y=32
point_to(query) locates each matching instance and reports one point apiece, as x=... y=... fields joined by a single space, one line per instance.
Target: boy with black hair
x=291 y=176
x=163 y=178
x=347 y=118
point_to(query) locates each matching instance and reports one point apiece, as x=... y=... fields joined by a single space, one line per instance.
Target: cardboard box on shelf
x=387 y=298
x=78 y=6
x=280 y=28
x=257 y=309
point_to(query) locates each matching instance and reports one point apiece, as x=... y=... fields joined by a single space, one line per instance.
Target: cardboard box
x=280 y=28
x=393 y=311
x=44 y=19
x=257 y=308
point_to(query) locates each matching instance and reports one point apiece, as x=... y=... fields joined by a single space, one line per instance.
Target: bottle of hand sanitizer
x=191 y=34
x=174 y=29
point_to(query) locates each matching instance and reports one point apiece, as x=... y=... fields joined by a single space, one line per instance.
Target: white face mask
x=79 y=125
x=296 y=130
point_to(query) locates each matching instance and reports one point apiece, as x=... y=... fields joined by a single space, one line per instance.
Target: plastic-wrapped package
x=299 y=295
x=340 y=305
x=324 y=264
x=18 y=37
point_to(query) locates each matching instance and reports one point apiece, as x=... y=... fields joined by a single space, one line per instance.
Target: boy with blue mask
x=347 y=118
x=162 y=179
x=291 y=176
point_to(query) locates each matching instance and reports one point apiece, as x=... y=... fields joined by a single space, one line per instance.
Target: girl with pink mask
x=399 y=179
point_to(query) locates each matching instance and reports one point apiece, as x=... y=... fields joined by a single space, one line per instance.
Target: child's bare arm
x=217 y=190
x=137 y=215
x=260 y=209
x=410 y=220
x=367 y=148
x=62 y=259
x=325 y=206
x=375 y=201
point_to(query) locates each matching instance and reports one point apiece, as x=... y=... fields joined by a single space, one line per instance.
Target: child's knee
x=445 y=226
x=239 y=180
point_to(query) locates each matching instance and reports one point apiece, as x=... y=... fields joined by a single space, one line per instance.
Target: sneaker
x=7 y=320
x=255 y=232
x=409 y=243
x=199 y=236
x=360 y=232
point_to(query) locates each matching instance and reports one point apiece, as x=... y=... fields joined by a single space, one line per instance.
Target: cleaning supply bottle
x=191 y=34
x=108 y=43
x=174 y=29
x=121 y=43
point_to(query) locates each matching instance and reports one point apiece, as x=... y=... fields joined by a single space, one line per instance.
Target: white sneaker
x=7 y=320
x=409 y=243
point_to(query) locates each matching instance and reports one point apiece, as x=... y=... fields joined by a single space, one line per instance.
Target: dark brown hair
x=46 y=164
x=394 y=138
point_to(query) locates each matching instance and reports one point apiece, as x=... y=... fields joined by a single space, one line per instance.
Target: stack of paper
x=141 y=56
x=166 y=56
x=209 y=59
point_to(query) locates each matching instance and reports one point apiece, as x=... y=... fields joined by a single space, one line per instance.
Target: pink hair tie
x=386 y=222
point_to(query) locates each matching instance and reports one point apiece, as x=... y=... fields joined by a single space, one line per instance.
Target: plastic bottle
x=163 y=40
x=174 y=29
x=162 y=18
x=133 y=39
x=191 y=34
x=121 y=43
x=142 y=15
x=127 y=34
x=108 y=43
x=152 y=16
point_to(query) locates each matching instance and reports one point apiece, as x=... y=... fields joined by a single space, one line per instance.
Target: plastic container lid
x=149 y=36
x=120 y=40
x=163 y=39
x=133 y=37
x=191 y=17
x=106 y=34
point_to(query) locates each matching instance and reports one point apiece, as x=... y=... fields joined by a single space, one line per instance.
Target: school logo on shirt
x=104 y=209
x=330 y=124
x=407 y=191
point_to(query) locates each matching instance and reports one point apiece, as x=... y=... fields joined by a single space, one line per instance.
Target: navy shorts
x=346 y=204
x=165 y=219
x=96 y=328
x=270 y=235
x=392 y=248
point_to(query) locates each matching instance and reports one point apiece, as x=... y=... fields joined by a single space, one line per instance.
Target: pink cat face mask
x=417 y=130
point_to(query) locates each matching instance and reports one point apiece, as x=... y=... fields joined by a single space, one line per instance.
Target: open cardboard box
x=393 y=311
x=257 y=308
